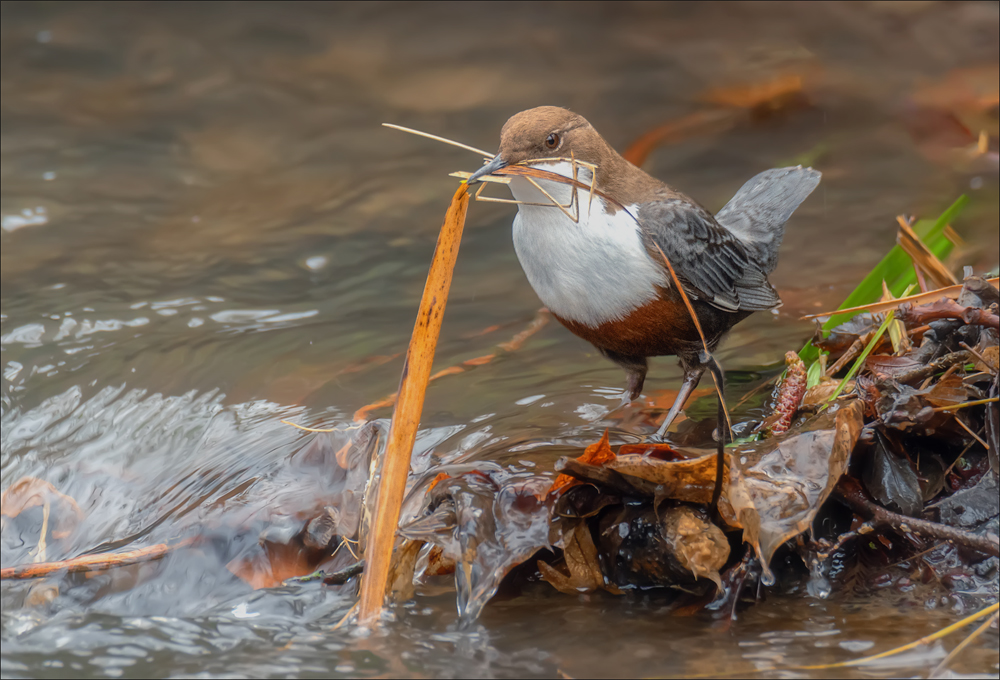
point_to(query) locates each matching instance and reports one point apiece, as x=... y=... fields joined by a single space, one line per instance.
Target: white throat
x=591 y=271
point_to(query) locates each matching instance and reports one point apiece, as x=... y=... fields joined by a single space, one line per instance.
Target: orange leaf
x=273 y=567
x=441 y=476
x=599 y=453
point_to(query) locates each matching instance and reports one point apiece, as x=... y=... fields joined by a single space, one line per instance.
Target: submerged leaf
x=779 y=484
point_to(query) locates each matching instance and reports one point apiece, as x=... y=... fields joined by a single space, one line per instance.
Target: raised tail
x=759 y=210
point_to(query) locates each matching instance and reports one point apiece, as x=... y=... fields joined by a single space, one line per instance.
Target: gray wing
x=712 y=263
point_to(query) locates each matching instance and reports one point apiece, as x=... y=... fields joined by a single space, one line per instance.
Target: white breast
x=590 y=271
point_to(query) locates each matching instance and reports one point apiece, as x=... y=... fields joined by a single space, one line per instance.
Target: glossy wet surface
x=205 y=231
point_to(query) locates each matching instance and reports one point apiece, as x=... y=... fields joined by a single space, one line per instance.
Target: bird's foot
x=627 y=400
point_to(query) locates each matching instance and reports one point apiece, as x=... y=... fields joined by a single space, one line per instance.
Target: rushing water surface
x=206 y=231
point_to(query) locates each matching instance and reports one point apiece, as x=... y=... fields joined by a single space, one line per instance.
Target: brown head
x=553 y=132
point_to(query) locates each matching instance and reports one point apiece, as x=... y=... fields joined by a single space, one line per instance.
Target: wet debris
x=868 y=468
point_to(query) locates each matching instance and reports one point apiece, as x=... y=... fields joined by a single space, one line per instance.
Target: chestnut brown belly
x=661 y=327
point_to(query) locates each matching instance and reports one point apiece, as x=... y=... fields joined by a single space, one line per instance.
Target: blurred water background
x=206 y=230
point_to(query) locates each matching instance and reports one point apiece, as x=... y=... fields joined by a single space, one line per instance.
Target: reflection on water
x=205 y=231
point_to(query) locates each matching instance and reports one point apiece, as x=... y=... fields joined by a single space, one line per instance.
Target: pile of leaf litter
x=877 y=464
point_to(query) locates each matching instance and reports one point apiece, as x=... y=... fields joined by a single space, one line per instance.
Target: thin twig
x=969 y=430
x=92 y=563
x=850 y=492
x=852 y=351
x=939 y=364
x=344 y=575
x=542 y=317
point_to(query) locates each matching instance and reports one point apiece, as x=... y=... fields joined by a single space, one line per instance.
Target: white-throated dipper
x=597 y=264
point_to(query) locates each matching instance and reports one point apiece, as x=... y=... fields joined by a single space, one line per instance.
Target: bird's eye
x=552 y=141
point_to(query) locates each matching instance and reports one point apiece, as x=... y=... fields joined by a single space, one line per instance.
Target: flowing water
x=206 y=231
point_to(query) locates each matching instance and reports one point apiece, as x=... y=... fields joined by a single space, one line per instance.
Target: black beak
x=487 y=169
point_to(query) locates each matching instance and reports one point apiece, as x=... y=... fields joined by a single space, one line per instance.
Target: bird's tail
x=759 y=210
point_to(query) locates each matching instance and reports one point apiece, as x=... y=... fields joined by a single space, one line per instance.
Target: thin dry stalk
x=936 y=673
x=406 y=417
x=485 y=154
x=91 y=563
x=951 y=292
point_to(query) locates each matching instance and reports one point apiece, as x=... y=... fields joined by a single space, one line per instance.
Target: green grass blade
x=896 y=269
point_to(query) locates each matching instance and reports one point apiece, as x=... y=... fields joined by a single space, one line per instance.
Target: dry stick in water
x=91 y=563
x=542 y=317
x=406 y=416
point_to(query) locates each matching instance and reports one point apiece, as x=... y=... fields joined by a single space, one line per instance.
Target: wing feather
x=711 y=262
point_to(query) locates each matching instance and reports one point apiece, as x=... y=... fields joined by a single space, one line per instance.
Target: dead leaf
x=892 y=482
x=948 y=392
x=690 y=481
x=922 y=257
x=779 y=484
x=404 y=564
x=884 y=365
x=699 y=545
x=598 y=453
x=583 y=569
x=992 y=356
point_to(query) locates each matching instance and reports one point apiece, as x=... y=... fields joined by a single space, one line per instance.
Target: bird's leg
x=692 y=374
x=635 y=369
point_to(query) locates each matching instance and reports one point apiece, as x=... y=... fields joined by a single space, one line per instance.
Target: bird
x=596 y=260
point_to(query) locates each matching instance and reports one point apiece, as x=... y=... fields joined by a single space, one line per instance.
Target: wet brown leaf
x=583 y=570
x=884 y=365
x=779 y=484
x=699 y=545
x=690 y=481
x=892 y=482
x=598 y=453
x=948 y=392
